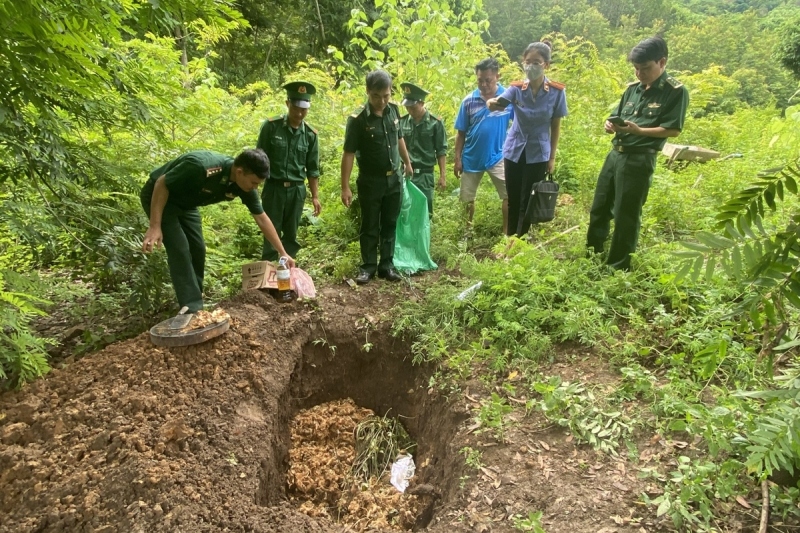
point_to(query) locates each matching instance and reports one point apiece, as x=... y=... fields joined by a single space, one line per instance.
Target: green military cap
x=412 y=94
x=300 y=92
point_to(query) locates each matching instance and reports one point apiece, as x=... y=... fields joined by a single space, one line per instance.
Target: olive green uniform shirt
x=663 y=104
x=201 y=178
x=375 y=140
x=293 y=153
x=425 y=140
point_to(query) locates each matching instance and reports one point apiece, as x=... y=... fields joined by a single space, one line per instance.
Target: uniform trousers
x=284 y=207
x=186 y=251
x=424 y=182
x=380 y=197
x=622 y=188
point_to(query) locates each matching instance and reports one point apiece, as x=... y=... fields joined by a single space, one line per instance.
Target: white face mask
x=534 y=72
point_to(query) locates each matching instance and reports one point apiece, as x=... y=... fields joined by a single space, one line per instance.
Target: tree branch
x=764 y=507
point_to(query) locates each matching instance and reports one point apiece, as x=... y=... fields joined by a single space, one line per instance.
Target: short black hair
x=651 y=49
x=253 y=162
x=489 y=63
x=378 y=80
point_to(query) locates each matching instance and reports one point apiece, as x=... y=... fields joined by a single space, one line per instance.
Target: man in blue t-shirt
x=480 y=135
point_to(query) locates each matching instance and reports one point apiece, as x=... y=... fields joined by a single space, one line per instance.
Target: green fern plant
x=766 y=259
x=774 y=440
x=767 y=263
x=23 y=355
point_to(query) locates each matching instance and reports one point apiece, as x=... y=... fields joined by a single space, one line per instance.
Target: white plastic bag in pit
x=402 y=471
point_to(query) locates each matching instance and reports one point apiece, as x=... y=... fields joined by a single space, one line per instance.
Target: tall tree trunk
x=271 y=46
x=181 y=39
x=321 y=25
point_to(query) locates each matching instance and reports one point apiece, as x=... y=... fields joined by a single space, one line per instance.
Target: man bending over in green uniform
x=170 y=199
x=293 y=151
x=425 y=140
x=652 y=110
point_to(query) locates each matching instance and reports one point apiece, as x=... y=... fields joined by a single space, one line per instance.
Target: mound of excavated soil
x=142 y=438
x=137 y=438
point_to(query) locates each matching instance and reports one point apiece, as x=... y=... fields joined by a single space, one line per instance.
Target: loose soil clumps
x=143 y=438
x=321 y=479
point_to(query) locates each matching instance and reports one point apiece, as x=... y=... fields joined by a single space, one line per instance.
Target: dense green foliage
x=745 y=36
x=703 y=335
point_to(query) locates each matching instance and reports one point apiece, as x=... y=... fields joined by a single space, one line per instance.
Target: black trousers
x=381 y=198
x=520 y=177
x=622 y=188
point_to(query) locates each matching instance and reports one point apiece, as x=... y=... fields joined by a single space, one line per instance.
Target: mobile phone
x=503 y=102
x=617 y=121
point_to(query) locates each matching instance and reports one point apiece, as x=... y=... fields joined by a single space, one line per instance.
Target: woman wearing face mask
x=530 y=148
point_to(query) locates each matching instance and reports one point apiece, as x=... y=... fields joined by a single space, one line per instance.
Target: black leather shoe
x=363 y=277
x=390 y=275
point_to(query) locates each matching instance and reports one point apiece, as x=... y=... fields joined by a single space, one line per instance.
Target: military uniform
x=193 y=180
x=375 y=142
x=624 y=180
x=425 y=141
x=294 y=156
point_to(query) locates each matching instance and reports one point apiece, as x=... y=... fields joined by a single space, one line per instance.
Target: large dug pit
x=142 y=438
x=333 y=387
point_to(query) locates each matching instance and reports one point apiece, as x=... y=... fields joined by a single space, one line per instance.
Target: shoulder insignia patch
x=213 y=171
x=357 y=112
x=631 y=84
x=519 y=83
x=312 y=128
x=673 y=82
x=277 y=117
x=556 y=85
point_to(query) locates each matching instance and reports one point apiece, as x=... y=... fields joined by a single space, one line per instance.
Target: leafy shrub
x=23 y=355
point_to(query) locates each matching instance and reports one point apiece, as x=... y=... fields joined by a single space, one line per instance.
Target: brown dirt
x=146 y=439
x=321 y=481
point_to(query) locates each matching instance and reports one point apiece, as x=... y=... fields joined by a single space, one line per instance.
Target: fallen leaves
x=744 y=503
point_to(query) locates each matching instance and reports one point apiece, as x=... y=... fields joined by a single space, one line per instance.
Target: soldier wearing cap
x=653 y=109
x=373 y=137
x=425 y=139
x=293 y=151
x=170 y=199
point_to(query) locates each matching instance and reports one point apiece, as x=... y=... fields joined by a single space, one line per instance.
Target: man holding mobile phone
x=650 y=111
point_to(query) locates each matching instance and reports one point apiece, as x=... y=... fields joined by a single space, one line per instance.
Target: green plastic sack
x=413 y=244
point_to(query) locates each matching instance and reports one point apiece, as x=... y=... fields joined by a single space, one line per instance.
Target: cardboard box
x=259 y=275
x=680 y=152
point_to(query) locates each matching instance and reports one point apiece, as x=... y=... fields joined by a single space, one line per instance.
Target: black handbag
x=542 y=203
